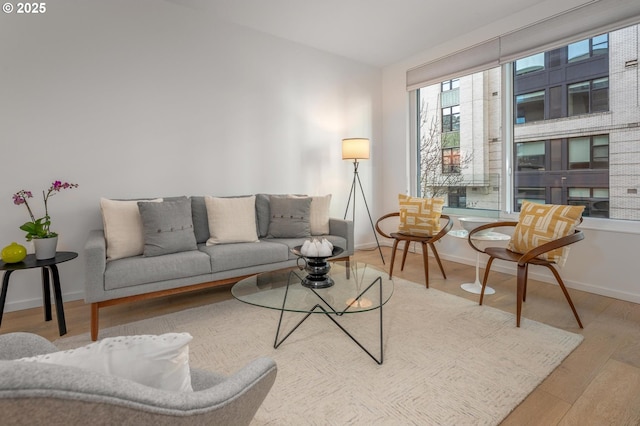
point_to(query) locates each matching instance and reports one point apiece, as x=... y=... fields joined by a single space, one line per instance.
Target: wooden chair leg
x=522 y=281
x=435 y=254
x=484 y=280
x=566 y=293
x=404 y=254
x=425 y=260
x=526 y=280
x=393 y=256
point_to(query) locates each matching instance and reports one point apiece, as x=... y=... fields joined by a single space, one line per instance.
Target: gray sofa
x=33 y=393
x=111 y=282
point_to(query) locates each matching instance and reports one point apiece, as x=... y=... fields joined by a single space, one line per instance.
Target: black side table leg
x=3 y=296
x=46 y=294
x=62 y=326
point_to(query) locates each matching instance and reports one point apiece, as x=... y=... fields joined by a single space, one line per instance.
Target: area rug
x=447 y=360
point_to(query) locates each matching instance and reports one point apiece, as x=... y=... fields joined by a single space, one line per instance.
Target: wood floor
x=598 y=384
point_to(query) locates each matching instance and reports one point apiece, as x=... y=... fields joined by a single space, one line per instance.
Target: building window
x=530 y=107
x=588 y=96
x=591 y=152
x=458 y=197
x=451 y=119
x=530 y=155
x=594 y=200
x=533 y=194
x=529 y=64
x=450 y=85
x=585 y=49
x=451 y=160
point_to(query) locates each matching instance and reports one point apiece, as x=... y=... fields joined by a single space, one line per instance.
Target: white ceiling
x=381 y=32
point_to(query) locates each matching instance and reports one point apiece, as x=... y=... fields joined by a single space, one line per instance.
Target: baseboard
x=21 y=305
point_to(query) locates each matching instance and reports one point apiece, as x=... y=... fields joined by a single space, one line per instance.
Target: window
x=589 y=96
x=578 y=51
x=457 y=197
x=530 y=107
x=557 y=143
x=451 y=160
x=530 y=155
x=588 y=48
x=451 y=119
x=530 y=64
x=453 y=156
x=594 y=200
x=534 y=195
x=589 y=152
x=600 y=45
x=450 y=84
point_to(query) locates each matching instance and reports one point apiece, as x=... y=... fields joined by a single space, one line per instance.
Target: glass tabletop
x=268 y=290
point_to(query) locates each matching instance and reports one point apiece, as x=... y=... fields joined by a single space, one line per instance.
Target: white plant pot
x=45 y=247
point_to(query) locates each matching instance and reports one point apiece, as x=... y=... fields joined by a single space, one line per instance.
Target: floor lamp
x=358 y=149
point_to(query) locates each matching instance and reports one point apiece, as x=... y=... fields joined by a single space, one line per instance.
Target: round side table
x=49 y=268
x=476 y=287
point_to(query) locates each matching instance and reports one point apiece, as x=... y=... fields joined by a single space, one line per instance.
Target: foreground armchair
x=38 y=393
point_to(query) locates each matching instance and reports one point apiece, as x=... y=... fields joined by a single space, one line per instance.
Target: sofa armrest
x=95 y=259
x=343 y=228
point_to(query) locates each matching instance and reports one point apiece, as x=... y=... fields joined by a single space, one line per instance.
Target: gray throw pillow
x=167 y=227
x=289 y=217
x=200 y=219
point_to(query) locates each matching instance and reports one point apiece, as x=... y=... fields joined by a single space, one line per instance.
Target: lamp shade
x=355 y=149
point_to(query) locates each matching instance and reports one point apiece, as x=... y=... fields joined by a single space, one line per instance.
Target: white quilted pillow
x=160 y=362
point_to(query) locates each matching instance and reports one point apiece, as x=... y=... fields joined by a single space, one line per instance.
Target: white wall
x=605 y=262
x=146 y=98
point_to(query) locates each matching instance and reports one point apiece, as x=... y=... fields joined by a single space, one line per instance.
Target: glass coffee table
x=356 y=289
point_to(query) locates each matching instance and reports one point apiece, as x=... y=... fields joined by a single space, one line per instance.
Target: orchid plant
x=40 y=228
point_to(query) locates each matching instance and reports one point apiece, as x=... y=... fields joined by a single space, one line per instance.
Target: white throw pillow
x=160 y=362
x=319 y=214
x=123 y=229
x=231 y=220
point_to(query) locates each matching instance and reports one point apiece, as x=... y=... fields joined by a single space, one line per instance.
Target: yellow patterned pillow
x=419 y=216
x=540 y=223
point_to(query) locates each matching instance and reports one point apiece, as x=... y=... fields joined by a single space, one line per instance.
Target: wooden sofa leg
x=94 y=322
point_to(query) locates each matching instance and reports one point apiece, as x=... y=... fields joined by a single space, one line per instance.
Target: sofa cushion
x=123 y=227
x=289 y=217
x=137 y=270
x=167 y=226
x=161 y=362
x=225 y=257
x=231 y=220
x=319 y=214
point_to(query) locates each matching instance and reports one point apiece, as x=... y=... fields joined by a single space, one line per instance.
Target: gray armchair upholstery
x=39 y=393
